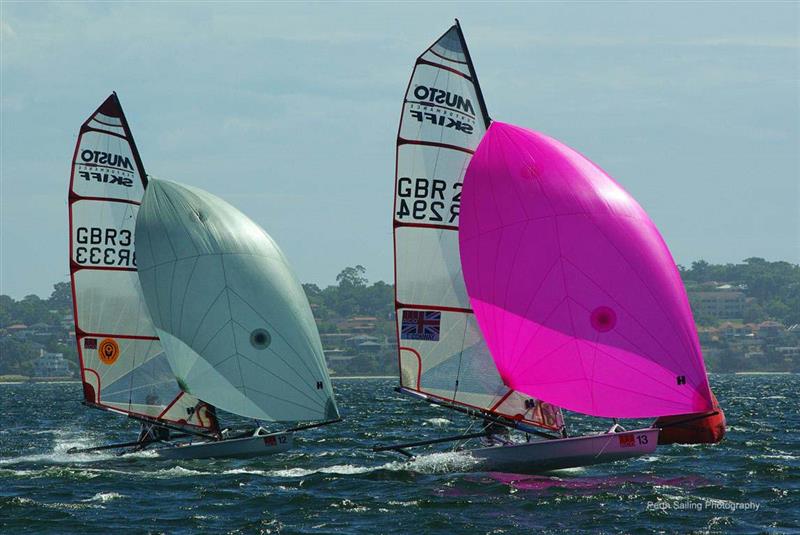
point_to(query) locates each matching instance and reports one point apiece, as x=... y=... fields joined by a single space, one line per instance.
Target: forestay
x=441 y=350
x=574 y=289
x=235 y=322
x=123 y=366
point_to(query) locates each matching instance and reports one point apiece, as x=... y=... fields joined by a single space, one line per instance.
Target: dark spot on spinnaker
x=603 y=319
x=260 y=339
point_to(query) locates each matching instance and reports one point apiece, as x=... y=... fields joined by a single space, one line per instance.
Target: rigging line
x=466 y=432
x=208 y=310
x=233 y=332
x=186 y=291
x=174 y=268
x=460 y=357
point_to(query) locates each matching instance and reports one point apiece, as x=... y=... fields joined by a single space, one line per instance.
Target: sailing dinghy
x=124 y=367
x=488 y=321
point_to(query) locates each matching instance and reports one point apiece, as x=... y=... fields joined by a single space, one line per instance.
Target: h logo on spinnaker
x=421 y=325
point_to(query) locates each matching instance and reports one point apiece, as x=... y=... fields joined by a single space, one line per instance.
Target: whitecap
x=437 y=463
x=290 y=472
x=177 y=471
x=244 y=471
x=104 y=497
x=437 y=422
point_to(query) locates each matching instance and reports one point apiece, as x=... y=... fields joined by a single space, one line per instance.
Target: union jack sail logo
x=421 y=325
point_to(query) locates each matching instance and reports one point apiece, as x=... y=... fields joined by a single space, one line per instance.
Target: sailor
x=496 y=435
x=152 y=432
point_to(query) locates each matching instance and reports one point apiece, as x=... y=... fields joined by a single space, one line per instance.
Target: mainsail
x=441 y=350
x=123 y=366
x=574 y=289
x=237 y=326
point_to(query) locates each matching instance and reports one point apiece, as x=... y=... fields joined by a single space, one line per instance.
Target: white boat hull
x=547 y=455
x=255 y=445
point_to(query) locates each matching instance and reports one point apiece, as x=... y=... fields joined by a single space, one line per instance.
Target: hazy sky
x=290 y=113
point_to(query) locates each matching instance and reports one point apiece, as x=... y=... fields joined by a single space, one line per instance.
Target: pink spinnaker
x=573 y=287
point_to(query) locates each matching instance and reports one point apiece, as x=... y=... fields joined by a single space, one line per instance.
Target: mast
x=134 y=149
x=486 y=119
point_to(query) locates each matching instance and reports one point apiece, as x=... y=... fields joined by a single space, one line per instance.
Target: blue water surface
x=333 y=483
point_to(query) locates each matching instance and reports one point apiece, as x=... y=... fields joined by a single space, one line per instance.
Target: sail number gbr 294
x=429 y=200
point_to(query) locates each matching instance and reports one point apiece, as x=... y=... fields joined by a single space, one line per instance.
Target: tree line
x=774 y=287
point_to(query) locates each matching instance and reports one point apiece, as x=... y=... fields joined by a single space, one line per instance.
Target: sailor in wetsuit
x=497 y=435
x=151 y=432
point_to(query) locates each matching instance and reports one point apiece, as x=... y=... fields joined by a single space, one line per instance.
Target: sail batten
x=123 y=366
x=441 y=352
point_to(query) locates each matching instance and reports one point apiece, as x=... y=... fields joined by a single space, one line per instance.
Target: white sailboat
x=443 y=353
x=126 y=368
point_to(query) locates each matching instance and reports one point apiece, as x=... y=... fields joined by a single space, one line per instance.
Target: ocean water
x=333 y=483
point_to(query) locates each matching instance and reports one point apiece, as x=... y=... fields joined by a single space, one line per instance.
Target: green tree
x=353 y=277
x=61 y=298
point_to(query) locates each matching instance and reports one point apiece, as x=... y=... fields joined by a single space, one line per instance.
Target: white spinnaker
x=235 y=322
x=441 y=350
x=123 y=366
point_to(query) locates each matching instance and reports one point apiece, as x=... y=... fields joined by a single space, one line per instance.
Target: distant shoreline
x=27 y=379
x=334 y=377
x=763 y=373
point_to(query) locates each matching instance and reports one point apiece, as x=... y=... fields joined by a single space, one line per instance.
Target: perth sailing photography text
x=585 y=313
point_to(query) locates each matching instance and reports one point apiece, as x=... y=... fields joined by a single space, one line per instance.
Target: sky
x=290 y=112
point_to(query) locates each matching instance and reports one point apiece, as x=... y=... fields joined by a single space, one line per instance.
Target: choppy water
x=333 y=483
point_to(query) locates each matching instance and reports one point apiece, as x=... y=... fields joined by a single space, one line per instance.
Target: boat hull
x=547 y=455
x=236 y=448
